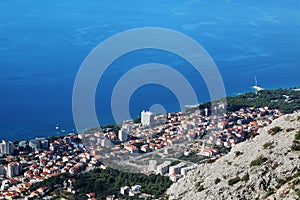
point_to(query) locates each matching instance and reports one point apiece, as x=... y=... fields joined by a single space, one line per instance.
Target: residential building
x=35 y=144
x=122 y=135
x=147 y=118
x=6 y=147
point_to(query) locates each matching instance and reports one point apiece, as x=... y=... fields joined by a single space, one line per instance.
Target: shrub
x=253 y=134
x=268 y=145
x=270 y=192
x=233 y=180
x=260 y=160
x=238 y=153
x=298 y=193
x=297 y=174
x=290 y=129
x=295 y=146
x=210 y=161
x=296 y=181
x=280 y=182
x=201 y=188
x=297 y=136
x=245 y=177
x=217 y=180
x=275 y=130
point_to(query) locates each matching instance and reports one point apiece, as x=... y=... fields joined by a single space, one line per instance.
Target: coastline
x=47 y=134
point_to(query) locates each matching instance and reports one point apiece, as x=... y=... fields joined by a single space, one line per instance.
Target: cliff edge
x=266 y=167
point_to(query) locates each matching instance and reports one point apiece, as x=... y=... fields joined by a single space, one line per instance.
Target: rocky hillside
x=267 y=167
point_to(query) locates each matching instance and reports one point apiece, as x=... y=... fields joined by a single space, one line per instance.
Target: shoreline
x=46 y=135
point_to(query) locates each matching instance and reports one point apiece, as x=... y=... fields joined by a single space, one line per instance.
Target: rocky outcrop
x=263 y=168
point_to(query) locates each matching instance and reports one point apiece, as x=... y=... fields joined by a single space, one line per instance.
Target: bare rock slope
x=263 y=168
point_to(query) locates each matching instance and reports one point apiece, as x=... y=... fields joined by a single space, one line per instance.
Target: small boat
x=56 y=127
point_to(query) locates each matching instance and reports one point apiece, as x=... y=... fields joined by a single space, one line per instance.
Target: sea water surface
x=43 y=43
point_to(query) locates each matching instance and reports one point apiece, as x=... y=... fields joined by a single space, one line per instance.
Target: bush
x=298 y=193
x=217 y=180
x=260 y=160
x=238 y=153
x=295 y=146
x=297 y=174
x=211 y=161
x=233 y=180
x=290 y=129
x=201 y=188
x=268 y=145
x=280 y=182
x=275 y=130
x=270 y=192
x=296 y=181
x=297 y=136
x=245 y=177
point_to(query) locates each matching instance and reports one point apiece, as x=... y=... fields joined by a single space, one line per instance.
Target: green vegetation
x=245 y=177
x=270 y=192
x=201 y=188
x=111 y=127
x=234 y=181
x=253 y=134
x=296 y=143
x=238 y=153
x=137 y=120
x=210 y=161
x=280 y=182
x=290 y=129
x=296 y=181
x=192 y=157
x=260 y=160
x=176 y=162
x=297 y=174
x=52 y=183
x=275 y=130
x=53 y=138
x=298 y=193
x=107 y=182
x=268 y=145
x=297 y=136
x=298 y=118
x=270 y=98
x=217 y=180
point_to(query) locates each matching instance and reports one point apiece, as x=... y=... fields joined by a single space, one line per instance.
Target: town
x=168 y=144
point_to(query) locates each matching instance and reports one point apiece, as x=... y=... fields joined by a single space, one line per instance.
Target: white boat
x=56 y=127
x=256 y=87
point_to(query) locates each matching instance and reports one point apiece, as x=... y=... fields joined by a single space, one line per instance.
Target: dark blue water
x=43 y=43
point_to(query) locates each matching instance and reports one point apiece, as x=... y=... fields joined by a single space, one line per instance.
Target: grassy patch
x=268 y=145
x=275 y=130
x=217 y=180
x=257 y=162
x=280 y=182
x=238 y=153
x=245 y=177
x=297 y=136
x=234 y=181
x=290 y=129
x=201 y=188
x=296 y=145
x=270 y=192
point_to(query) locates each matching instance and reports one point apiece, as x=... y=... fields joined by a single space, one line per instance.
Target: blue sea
x=43 y=44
